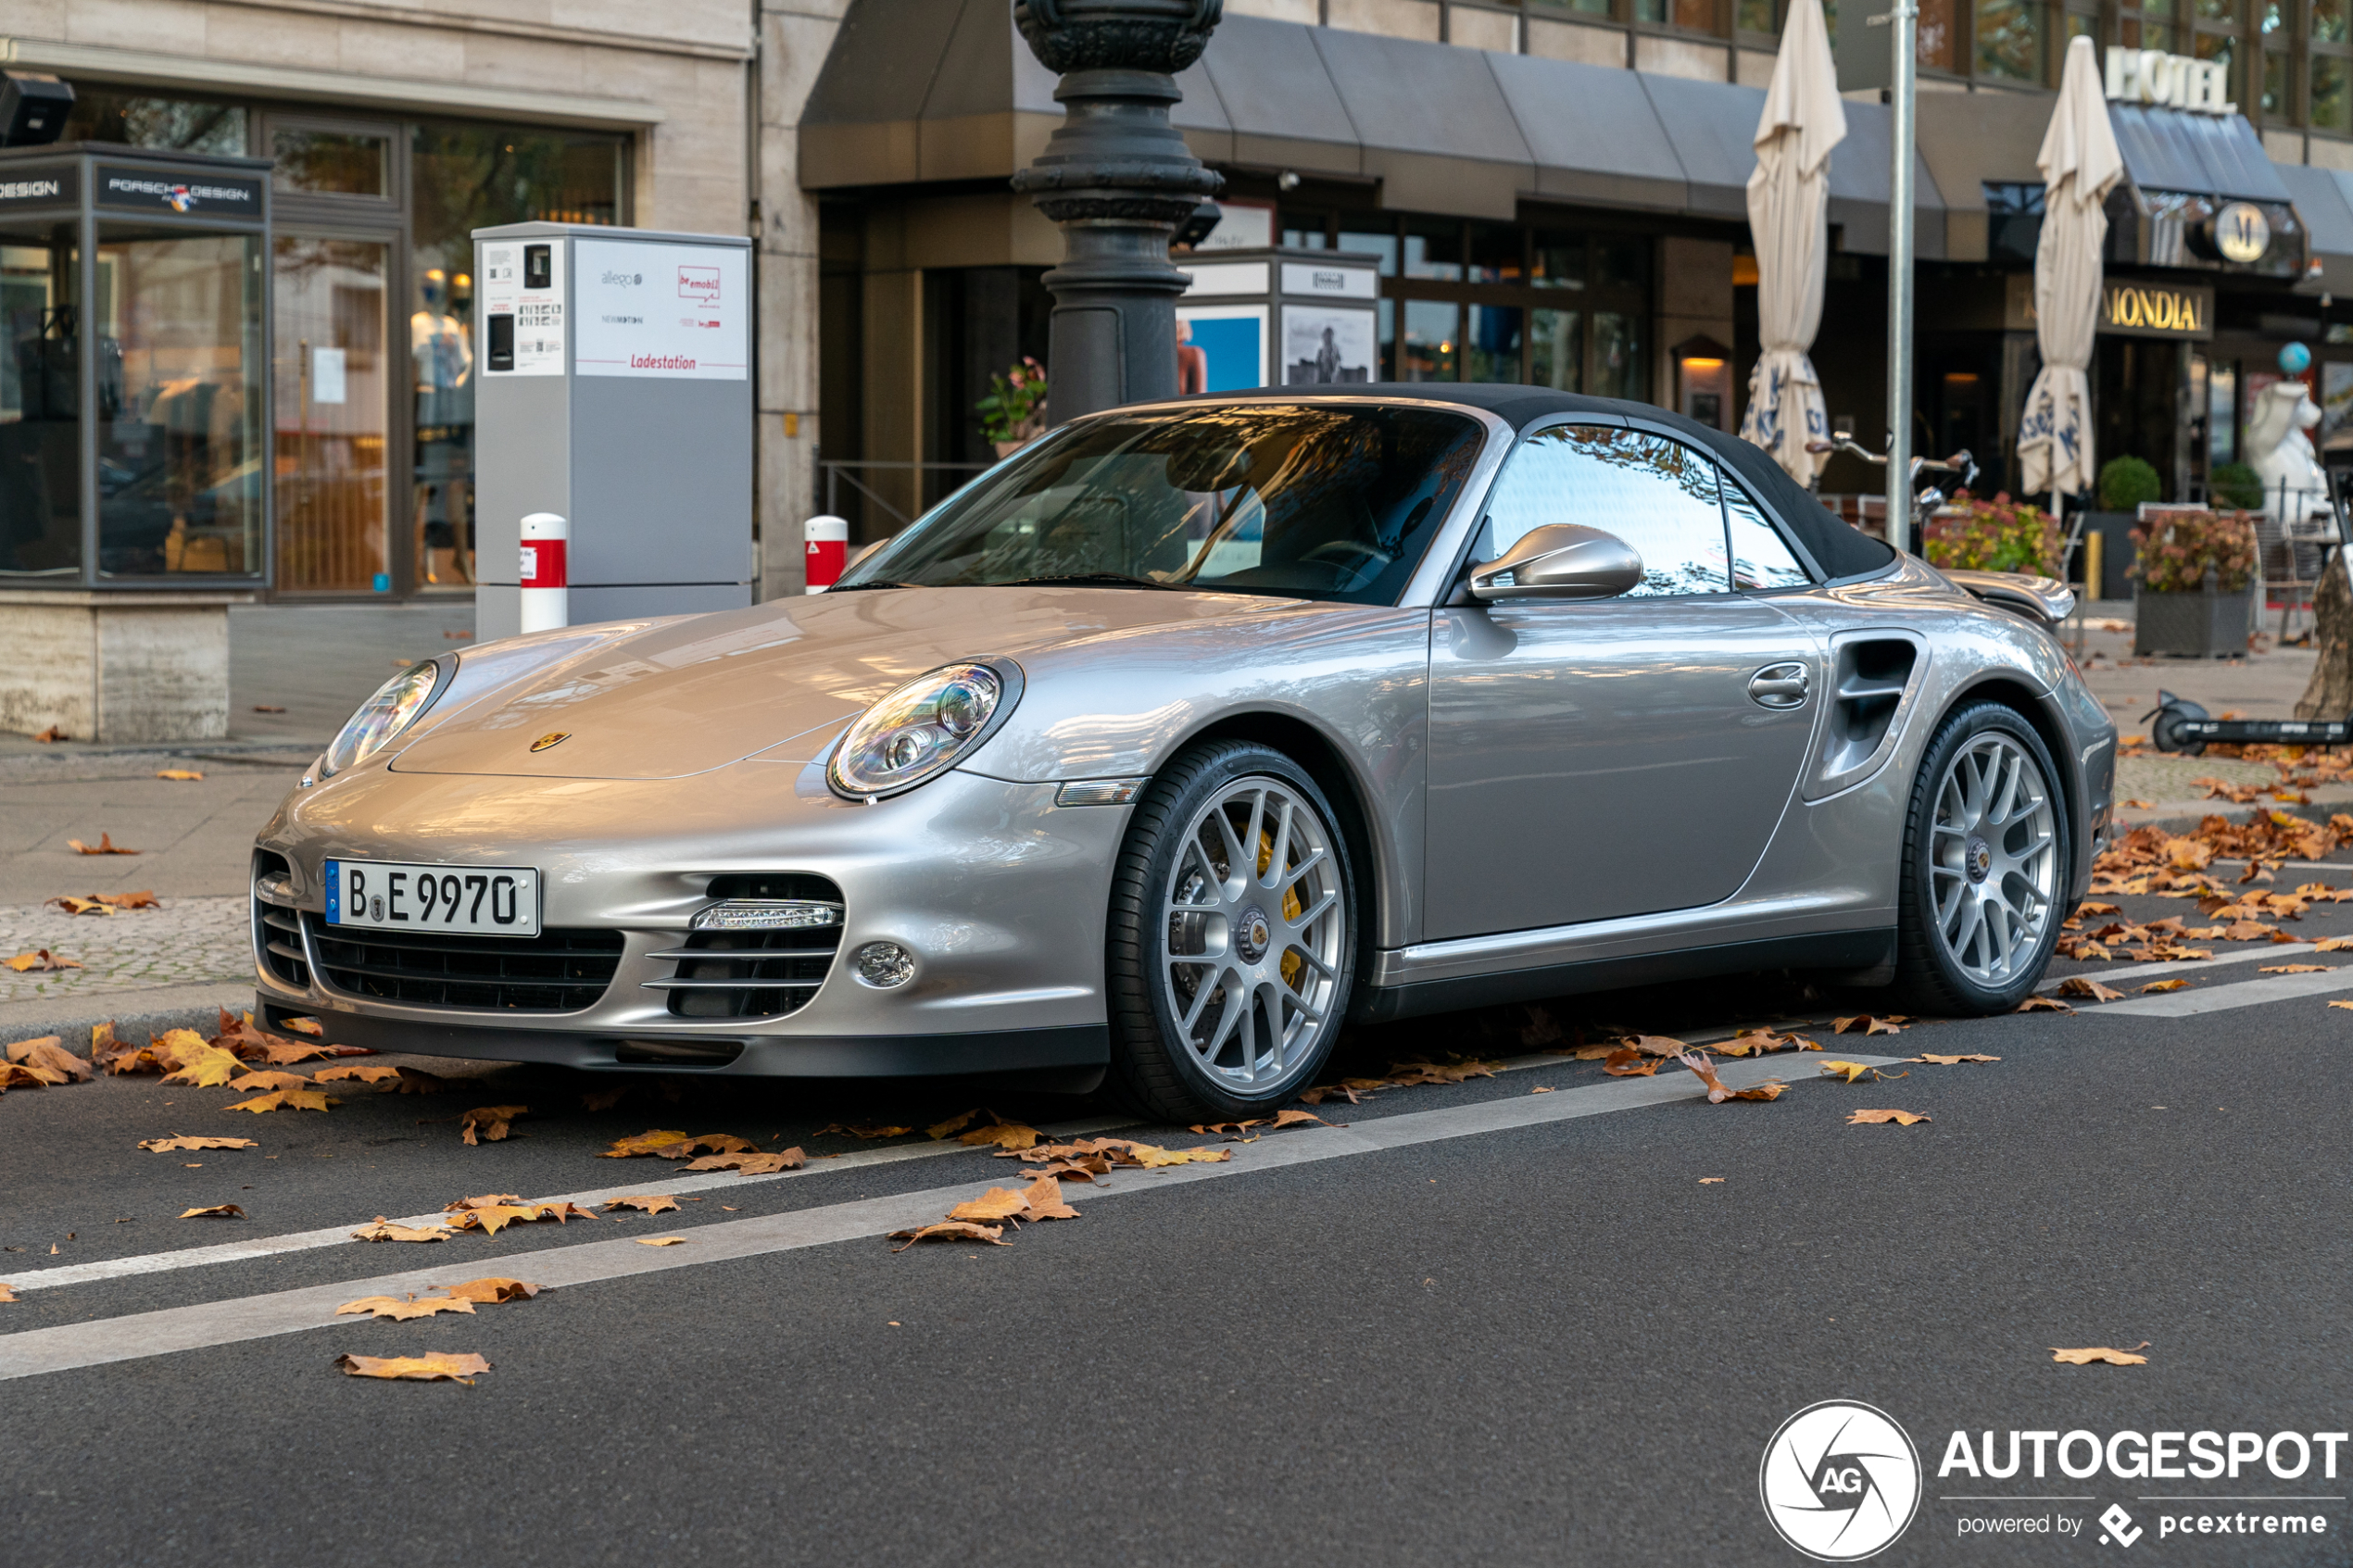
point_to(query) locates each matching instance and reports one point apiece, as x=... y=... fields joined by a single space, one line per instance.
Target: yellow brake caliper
x=1291 y=905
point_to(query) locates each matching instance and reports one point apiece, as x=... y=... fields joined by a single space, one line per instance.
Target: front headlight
x=392 y=709
x=923 y=728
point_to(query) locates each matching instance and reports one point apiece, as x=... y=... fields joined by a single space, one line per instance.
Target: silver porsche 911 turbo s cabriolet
x=1193 y=730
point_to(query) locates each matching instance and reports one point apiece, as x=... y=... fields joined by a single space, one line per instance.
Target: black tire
x=1158 y=1068
x=1932 y=977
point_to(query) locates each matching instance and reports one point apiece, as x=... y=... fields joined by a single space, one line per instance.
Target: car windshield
x=1306 y=500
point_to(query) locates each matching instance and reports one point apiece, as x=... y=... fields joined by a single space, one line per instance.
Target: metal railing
x=831 y=471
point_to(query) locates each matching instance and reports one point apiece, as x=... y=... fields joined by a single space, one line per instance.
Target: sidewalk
x=173 y=965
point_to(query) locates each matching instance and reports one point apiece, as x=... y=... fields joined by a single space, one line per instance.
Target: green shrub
x=1995 y=536
x=2176 y=547
x=2125 y=483
x=2236 y=484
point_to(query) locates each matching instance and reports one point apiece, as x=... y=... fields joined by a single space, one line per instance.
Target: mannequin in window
x=443 y=353
x=1192 y=364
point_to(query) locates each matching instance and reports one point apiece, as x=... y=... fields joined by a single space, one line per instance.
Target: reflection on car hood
x=776 y=681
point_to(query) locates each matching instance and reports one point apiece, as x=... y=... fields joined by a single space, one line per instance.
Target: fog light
x=886 y=964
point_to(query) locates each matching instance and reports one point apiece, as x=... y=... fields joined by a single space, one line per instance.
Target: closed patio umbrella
x=1788 y=214
x=2080 y=164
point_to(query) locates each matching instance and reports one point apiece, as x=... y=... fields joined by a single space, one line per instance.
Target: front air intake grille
x=277 y=930
x=752 y=974
x=554 y=971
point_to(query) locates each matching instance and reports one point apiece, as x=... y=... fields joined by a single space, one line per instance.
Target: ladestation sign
x=2151 y=76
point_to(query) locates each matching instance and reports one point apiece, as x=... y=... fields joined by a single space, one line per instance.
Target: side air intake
x=1872 y=674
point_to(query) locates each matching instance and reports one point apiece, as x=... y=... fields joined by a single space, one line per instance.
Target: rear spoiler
x=2046 y=599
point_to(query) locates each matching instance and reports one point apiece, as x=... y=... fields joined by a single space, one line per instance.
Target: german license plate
x=476 y=900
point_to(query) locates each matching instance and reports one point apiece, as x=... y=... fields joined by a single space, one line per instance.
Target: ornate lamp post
x=1119 y=179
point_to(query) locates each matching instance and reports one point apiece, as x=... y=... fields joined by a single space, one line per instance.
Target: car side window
x=1655 y=492
x=1760 y=560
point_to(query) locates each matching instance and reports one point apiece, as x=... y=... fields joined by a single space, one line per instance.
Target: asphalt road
x=1509 y=1344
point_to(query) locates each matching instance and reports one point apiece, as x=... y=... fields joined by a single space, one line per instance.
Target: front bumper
x=999 y=893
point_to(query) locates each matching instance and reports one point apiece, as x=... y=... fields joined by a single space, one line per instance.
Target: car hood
x=776 y=681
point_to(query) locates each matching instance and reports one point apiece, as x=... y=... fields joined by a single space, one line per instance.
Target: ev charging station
x=613 y=410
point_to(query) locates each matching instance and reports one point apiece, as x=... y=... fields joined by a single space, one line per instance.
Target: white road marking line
x=654 y=1181
x=2127 y=968
x=2222 y=998
x=141 y=1335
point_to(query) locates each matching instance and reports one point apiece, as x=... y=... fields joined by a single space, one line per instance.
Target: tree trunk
x=2331 y=694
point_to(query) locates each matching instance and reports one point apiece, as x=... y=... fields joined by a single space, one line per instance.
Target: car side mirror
x=1565 y=561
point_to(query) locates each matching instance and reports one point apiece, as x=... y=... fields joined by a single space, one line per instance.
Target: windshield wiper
x=878 y=582
x=1088 y=580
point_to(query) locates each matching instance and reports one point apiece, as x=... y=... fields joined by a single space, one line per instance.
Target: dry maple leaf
x=259 y=1083
x=662 y=1241
x=489 y=1123
x=51 y=736
x=869 y=1133
x=2333 y=945
x=1709 y=1180
x=285 y=1100
x=2042 y=1004
x=50 y=1054
x=384 y=1230
x=2089 y=1354
x=644 y=1143
x=285 y=1053
x=174 y=1145
x=2165 y=985
x=1949 y=1061
x=2292 y=969
x=143 y=900
x=1628 y=1062
x=1152 y=1158
x=401 y=1310
x=218 y=1211
x=13 y=1076
x=997 y=1203
x=1850 y=1071
x=1901 y=1117
x=1211 y=1129
x=645 y=1203
x=1297 y=1119
x=1043 y=1200
x=481 y=1200
x=74 y=906
x=1085 y=1170
x=40 y=959
x=205 y=1066
x=105 y=845
x=1415 y=1071
x=1718 y=1091
x=490 y=1291
x=951 y=1230
x=1865 y=1024
x=303 y=1026
x=6 y=1294
x=2096 y=908
x=955 y=1123
x=369 y=1075
x=440 y=1367
x=752 y=1164
x=1002 y=1134
x=178 y=775
x=2347 y=1006
x=2085 y=986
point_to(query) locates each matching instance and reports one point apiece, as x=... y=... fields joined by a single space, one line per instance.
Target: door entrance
x=332 y=401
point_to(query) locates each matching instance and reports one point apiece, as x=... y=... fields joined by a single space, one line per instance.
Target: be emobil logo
x=1841 y=1481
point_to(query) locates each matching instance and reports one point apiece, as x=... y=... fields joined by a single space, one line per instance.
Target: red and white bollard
x=546 y=594
x=828 y=548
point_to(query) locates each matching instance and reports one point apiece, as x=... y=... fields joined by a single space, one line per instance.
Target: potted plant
x=2195 y=573
x=2125 y=484
x=1996 y=535
x=1014 y=414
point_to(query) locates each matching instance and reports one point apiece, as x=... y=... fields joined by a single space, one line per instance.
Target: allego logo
x=1840 y=1480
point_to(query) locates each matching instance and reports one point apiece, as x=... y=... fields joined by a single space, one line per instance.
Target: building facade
x=1553 y=191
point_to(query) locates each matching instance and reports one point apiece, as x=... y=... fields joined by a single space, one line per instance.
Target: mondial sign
x=2152 y=76
x=2134 y=309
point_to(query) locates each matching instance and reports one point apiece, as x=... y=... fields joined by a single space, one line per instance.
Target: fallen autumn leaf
x=951 y=1230
x=173 y=1146
x=218 y=1211
x=492 y=1290
x=420 y=1368
x=649 y=1203
x=401 y=1310
x=287 y=1099
x=2165 y=985
x=180 y=775
x=489 y=1123
x=105 y=845
x=662 y=1241
x=2089 y=1354
x=384 y=1230
x=40 y=961
x=1901 y=1117
x=2085 y=986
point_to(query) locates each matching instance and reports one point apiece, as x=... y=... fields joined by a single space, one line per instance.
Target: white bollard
x=546 y=594
x=827 y=543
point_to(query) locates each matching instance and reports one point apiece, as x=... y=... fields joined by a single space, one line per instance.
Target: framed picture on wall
x=1325 y=346
x=1232 y=341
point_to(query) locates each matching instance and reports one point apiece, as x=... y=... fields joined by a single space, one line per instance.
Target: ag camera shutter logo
x=1840 y=1480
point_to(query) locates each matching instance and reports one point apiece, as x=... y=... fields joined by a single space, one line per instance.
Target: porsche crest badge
x=553 y=737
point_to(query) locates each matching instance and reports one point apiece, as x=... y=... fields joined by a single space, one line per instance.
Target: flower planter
x=2207 y=624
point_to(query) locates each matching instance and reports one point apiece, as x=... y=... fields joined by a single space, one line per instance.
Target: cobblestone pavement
x=186 y=942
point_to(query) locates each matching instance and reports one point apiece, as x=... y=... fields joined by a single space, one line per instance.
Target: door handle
x=1779 y=685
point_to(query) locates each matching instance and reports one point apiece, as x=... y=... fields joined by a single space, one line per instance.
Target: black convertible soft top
x=1839 y=549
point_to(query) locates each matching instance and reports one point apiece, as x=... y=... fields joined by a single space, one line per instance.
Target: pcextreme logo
x=1840 y=1480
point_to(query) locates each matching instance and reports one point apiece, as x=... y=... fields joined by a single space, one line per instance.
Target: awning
x=2324 y=200
x=927 y=90
x=2212 y=154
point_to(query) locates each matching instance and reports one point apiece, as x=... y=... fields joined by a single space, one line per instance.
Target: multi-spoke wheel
x=1232 y=935
x=1985 y=864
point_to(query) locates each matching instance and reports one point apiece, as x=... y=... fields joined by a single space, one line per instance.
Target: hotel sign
x=2135 y=310
x=2176 y=82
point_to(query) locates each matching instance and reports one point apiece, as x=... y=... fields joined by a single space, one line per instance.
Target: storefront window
x=1428 y=353
x=1939 y=34
x=1434 y=249
x=40 y=406
x=142 y=119
x=329 y=393
x=1491 y=344
x=1304 y=230
x=1560 y=262
x=1619 y=367
x=2275 y=86
x=1495 y=253
x=2222 y=47
x=328 y=162
x=179 y=319
x=1556 y=349
x=2328 y=21
x=2332 y=104
x=467 y=177
x=1757 y=16
x=1697 y=15
x=2009 y=39
x=1382 y=244
x=2217 y=10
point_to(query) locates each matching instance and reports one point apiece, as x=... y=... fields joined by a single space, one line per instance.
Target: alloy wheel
x=1994 y=858
x=1257 y=930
